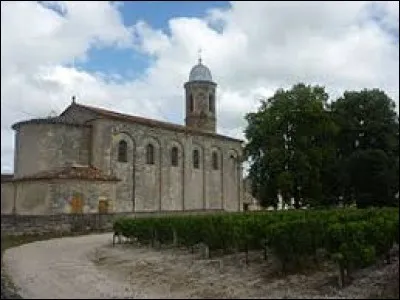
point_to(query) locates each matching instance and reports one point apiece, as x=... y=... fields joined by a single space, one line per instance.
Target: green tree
x=371 y=177
x=291 y=139
x=368 y=121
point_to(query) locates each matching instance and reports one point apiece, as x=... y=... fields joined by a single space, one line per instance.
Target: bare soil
x=90 y=267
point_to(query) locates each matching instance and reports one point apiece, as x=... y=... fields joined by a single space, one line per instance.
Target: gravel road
x=61 y=268
x=88 y=267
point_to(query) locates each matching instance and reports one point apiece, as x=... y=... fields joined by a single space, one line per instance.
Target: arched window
x=232 y=160
x=122 y=151
x=150 y=154
x=211 y=107
x=191 y=103
x=196 y=159
x=174 y=156
x=215 y=160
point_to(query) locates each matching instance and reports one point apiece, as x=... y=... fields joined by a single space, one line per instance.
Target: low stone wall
x=13 y=224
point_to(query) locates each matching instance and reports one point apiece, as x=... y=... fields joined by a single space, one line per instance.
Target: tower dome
x=200 y=94
x=200 y=73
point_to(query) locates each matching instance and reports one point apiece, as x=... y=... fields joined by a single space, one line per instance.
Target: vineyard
x=352 y=238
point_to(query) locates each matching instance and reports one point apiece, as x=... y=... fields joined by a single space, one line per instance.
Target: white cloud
x=33 y=35
x=150 y=41
x=252 y=49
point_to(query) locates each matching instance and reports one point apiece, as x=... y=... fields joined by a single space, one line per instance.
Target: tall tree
x=371 y=178
x=368 y=121
x=290 y=141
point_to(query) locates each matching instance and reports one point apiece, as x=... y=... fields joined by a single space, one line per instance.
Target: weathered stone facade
x=161 y=186
x=7 y=197
x=55 y=196
x=44 y=146
x=200 y=105
x=160 y=166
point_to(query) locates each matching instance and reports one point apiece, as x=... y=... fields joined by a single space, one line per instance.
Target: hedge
x=353 y=237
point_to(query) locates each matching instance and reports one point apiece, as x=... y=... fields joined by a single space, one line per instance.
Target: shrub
x=357 y=236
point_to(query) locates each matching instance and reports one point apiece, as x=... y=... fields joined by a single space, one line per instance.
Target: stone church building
x=89 y=160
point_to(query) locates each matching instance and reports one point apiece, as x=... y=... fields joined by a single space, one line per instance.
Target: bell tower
x=200 y=95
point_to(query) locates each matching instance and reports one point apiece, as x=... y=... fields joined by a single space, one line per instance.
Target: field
x=298 y=240
x=345 y=254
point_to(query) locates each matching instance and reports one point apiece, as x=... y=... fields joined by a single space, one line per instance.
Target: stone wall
x=32 y=197
x=126 y=173
x=12 y=224
x=7 y=197
x=143 y=187
x=42 y=147
x=162 y=186
x=202 y=115
x=172 y=199
x=56 y=196
x=86 y=194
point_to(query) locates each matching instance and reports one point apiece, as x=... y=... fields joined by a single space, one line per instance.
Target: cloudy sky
x=134 y=57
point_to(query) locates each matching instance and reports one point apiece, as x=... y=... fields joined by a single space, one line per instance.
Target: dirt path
x=60 y=268
x=89 y=267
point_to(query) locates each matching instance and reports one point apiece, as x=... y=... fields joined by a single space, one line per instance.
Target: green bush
x=357 y=236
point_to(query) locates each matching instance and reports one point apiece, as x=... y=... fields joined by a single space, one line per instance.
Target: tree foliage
x=320 y=154
x=371 y=177
x=290 y=137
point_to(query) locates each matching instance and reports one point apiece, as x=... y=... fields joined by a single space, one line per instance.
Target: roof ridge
x=110 y=114
x=108 y=111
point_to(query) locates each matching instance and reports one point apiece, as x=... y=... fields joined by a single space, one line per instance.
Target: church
x=93 y=160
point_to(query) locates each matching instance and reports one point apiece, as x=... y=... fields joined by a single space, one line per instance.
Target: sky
x=134 y=57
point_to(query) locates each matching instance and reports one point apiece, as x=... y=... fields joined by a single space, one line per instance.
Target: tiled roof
x=108 y=114
x=150 y=122
x=51 y=120
x=71 y=172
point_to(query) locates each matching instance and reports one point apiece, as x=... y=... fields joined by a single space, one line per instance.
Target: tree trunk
x=296 y=198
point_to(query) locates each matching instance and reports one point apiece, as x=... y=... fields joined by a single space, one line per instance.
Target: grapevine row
x=354 y=237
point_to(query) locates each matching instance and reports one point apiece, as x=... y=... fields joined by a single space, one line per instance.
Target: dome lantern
x=200 y=73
